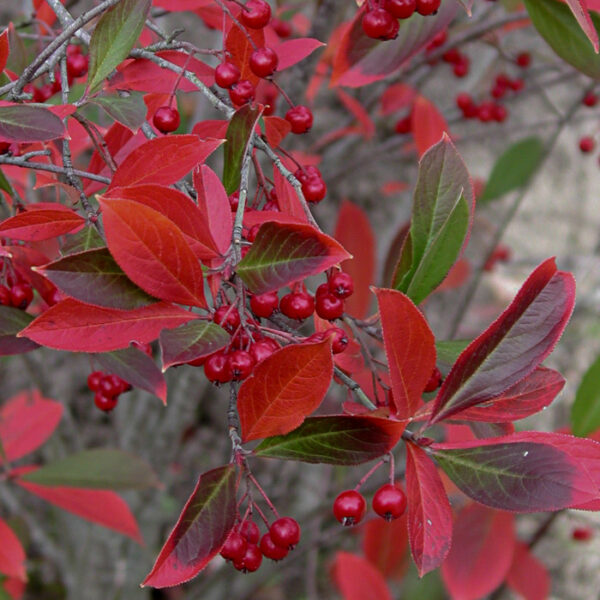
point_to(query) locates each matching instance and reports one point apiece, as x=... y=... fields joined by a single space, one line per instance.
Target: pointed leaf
x=428 y=125
x=163 y=160
x=276 y=129
x=513 y=169
x=12 y=555
x=239 y=49
x=557 y=25
x=385 y=545
x=336 y=440
x=513 y=473
x=87 y=238
x=191 y=341
x=200 y=532
x=580 y=12
x=429 y=513
x=13 y=320
x=283 y=389
x=528 y=576
x=78 y=327
x=409 y=348
x=483 y=543
x=358 y=579
x=127 y=108
x=284 y=253
x=293 y=51
x=585 y=412
x=137 y=368
x=23 y=123
x=94 y=277
x=100 y=468
x=114 y=36
x=239 y=130
x=513 y=345
x=27 y=420
x=37 y=225
x=153 y=252
x=441 y=218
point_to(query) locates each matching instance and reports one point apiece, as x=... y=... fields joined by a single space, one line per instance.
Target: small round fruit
x=282 y=28
x=263 y=305
x=349 y=508
x=227 y=317
x=428 y=7
x=226 y=75
x=389 y=502
x=270 y=549
x=285 y=532
x=166 y=119
x=401 y=9
x=242 y=92
x=263 y=62
x=77 y=65
x=105 y=403
x=378 y=24
x=523 y=59
x=241 y=364
x=587 y=144
x=252 y=559
x=314 y=190
x=339 y=341
x=256 y=14
x=250 y=530
x=235 y=547
x=341 y=285
x=216 y=368
x=464 y=100
x=263 y=349
x=329 y=307
x=297 y=305
x=21 y=295
x=234 y=200
x=5 y=299
x=300 y=118
x=582 y=534
x=590 y=99
x=94 y=380
x=500 y=113
x=434 y=381
x=42 y=93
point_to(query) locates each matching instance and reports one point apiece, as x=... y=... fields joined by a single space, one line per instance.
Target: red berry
x=21 y=295
x=270 y=549
x=379 y=24
x=226 y=75
x=73 y=49
x=94 y=380
x=523 y=59
x=285 y=532
x=428 y=7
x=485 y=112
x=228 y=317
x=452 y=56
x=282 y=28
x=216 y=368
x=242 y=92
x=461 y=69
x=500 y=113
x=582 y=534
x=314 y=190
x=263 y=62
x=329 y=307
x=251 y=561
x=516 y=85
x=263 y=305
x=438 y=40
x=111 y=385
x=498 y=91
x=349 y=507
x=434 y=381
x=403 y=125
x=252 y=232
x=42 y=93
x=389 y=502
x=297 y=305
x=300 y=118
x=322 y=290
x=241 y=364
x=105 y=403
x=5 y=298
x=234 y=200
x=339 y=340
x=256 y=14
x=250 y=530
x=586 y=144
x=235 y=547
x=166 y=119
x=263 y=349
x=77 y=65
x=503 y=80
x=341 y=284
x=590 y=99
x=463 y=101
x=401 y=9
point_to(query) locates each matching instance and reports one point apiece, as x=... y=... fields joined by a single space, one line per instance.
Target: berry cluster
x=17 y=293
x=313 y=186
x=484 y=111
x=460 y=62
x=389 y=502
x=246 y=552
x=380 y=21
x=107 y=387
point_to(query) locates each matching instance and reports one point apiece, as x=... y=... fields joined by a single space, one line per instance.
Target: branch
x=19 y=162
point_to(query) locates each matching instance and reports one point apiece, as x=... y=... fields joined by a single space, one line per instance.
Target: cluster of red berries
x=245 y=551
x=107 y=387
x=484 y=111
x=313 y=186
x=460 y=62
x=17 y=292
x=587 y=144
x=389 y=502
x=380 y=21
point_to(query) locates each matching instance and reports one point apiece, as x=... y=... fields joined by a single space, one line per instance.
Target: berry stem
x=283 y=93
x=261 y=514
x=392 y=467
x=179 y=77
x=370 y=472
x=263 y=493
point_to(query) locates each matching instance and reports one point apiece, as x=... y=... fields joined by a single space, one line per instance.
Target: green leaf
x=23 y=123
x=85 y=239
x=101 y=468
x=335 y=440
x=95 y=277
x=557 y=25
x=513 y=169
x=239 y=130
x=4 y=185
x=128 y=108
x=12 y=321
x=441 y=218
x=286 y=252
x=114 y=36
x=447 y=351
x=585 y=412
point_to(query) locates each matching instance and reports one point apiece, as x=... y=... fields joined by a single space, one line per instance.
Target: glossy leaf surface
x=202 y=528
x=40 y=224
x=358 y=579
x=12 y=321
x=22 y=123
x=283 y=389
x=585 y=412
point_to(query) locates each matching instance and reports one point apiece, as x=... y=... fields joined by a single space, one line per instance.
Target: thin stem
x=370 y=472
x=354 y=387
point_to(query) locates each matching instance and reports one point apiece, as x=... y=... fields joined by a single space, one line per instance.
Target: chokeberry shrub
x=271 y=270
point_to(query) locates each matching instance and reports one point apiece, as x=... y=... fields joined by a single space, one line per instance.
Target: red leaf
x=200 y=532
x=355 y=233
x=12 y=555
x=27 y=420
x=287 y=198
x=528 y=576
x=78 y=327
x=429 y=513
x=513 y=345
x=276 y=129
x=580 y=11
x=211 y=129
x=214 y=206
x=258 y=217
x=163 y=160
x=427 y=124
x=359 y=113
x=409 y=347
x=385 y=545
x=358 y=579
x=103 y=507
x=396 y=97
x=152 y=251
x=293 y=51
x=40 y=224
x=177 y=207
x=284 y=388
x=239 y=48
x=482 y=550
x=4 y=49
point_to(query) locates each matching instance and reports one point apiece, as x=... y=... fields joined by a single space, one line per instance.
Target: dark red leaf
x=293 y=51
x=4 y=49
x=528 y=576
x=38 y=225
x=12 y=321
x=12 y=555
x=358 y=579
x=200 y=532
x=385 y=545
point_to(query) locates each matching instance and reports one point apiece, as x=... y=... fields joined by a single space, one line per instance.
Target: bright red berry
x=329 y=307
x=434 y=381
x=73 y=49
x=263 y=62
x=250 y=530
x=251 y=561
x=590 y=99
x=5 y=299
x=379 y=24
x=461 y=69
x=314 y=190
x=341 y=284
x=349 y=507
x=500 y=113
x=339 y=339
x=234 y=200
x=485 y=112
x=523 y=59
x=77 y=65
x=226 y=75
x=282 y=28
x=272 y=550
x=263 y=305
x=228 y=317
x=216 y=368
x=516 y=85
x=94 y=379
x=256 y=14
x=297 y=305
x=263 y=349
x=401 y=9
x=235 y=547
x=285 y=532
x=242 y=92
x=587 y=144
x=21 y=295
x=166 y=119
x=389 y=502
x=241 y=364
x=582 y=534
x=428 y=7
x=300 y=118
x=498 y=92
x=452 y=56
x=104 y=402
x=42 y=93
x=463 y=100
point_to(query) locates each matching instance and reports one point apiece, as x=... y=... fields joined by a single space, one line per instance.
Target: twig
x=354 y=387
x=18 y=162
